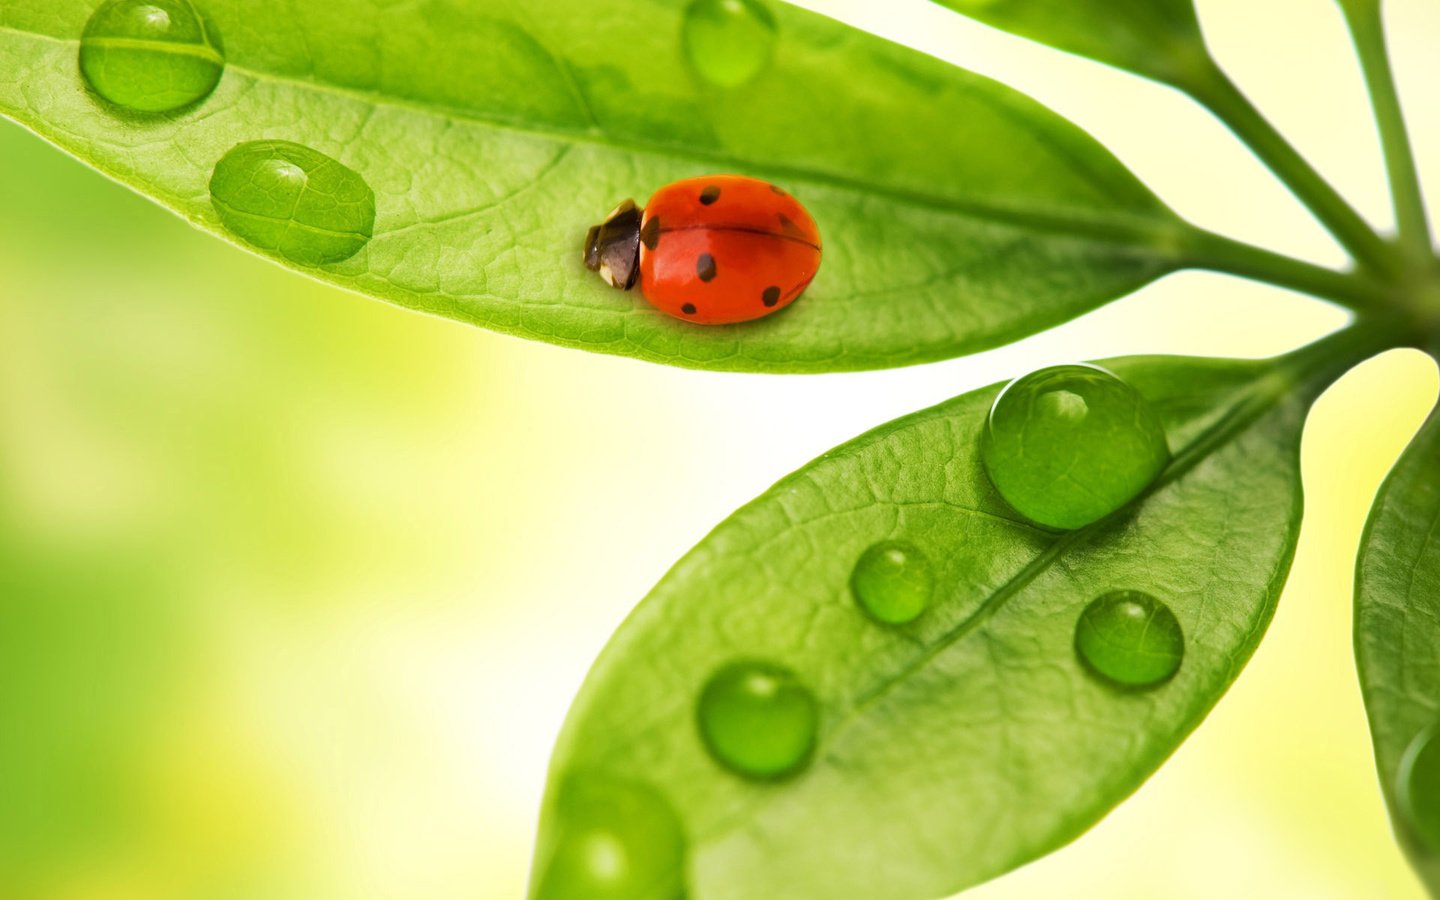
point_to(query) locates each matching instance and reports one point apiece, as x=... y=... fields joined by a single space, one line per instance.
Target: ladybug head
x=612 y=248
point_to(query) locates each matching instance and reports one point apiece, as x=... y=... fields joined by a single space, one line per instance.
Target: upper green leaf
x=1159 y=39
x=956 y=213
x=1397 y=645
x=958 y=746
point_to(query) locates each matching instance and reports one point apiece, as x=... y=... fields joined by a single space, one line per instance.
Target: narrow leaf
x=974 y=739
x=1397 y=645
x=956 y=213
x=1159 y=39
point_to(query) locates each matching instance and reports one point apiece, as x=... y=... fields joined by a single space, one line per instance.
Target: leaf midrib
x=198 y=51
x=1257 y=399
x=291 y=221
x=1162 y=237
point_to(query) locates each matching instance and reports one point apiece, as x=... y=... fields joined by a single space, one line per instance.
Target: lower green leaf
x=1397 y=645
x=807 y=745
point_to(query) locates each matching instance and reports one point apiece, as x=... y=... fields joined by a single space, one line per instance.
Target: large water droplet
x=294 y=202
x=151 y=55
x=1418 y=787
x=728 y=42
x=758 y=720
x=1130 y=638
x=1068 y=445
x=893 y=582
x=612 y=839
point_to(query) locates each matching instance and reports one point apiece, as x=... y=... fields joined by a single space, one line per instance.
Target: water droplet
x=728 y=42
x=612 y=839
x=1130 y=639
x=893 y=582
x=1068 y=445
x=294 y=202
x=758 y=720
x=151 y=56
x=1418 y=787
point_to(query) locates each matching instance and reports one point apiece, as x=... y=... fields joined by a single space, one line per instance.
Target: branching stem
x=1211 y=87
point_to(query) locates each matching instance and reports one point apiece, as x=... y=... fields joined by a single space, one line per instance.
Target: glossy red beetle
x=713 y=250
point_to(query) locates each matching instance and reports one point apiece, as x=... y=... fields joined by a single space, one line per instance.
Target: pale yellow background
x=364 y=557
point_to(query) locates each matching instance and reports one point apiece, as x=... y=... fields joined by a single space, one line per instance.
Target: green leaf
x=1159 y=39
x=972 y=740
x=1397 y=635
x=957 y=214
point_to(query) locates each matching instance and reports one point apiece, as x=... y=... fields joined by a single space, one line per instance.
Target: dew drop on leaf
x=728 y=42
x=151 y=56
x=612 y=840
x=1130 y=639
x=1419 y=787
x=758 y=720
x=1071 y=444
x=893 y=582
x=293 y=201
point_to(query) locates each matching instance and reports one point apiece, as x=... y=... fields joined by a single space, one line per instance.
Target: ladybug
x=712 y=250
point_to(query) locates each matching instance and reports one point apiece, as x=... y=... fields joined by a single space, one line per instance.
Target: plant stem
x=1367 y=29
x=1213 y=89
x=1207 y=250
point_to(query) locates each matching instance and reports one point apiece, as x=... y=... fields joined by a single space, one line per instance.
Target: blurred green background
x=295 y=587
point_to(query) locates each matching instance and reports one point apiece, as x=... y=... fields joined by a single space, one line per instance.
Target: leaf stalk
x=1367 y=30
x=1357 y=290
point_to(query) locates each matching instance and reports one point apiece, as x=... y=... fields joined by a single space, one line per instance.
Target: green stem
x=1206 y=250
x=1368 y=31
x=1213 y=89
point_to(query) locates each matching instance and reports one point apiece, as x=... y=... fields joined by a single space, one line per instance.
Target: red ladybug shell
x=725 y=248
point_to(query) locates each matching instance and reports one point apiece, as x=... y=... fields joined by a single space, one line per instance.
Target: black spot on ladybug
x=710 y=194
x=771 y=296
x=790 y=227
x=705 y=267
x=650 y=234
x=777 y=189
x=688 y=309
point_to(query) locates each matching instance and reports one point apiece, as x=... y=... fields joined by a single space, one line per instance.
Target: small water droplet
x=758 y=720
x=1068 y=445
x=293 y=201
x=1418 y=787
x=151 y=56
x=893 y=582
x=612 y=839
x=728 y=42
x=1130 y=639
